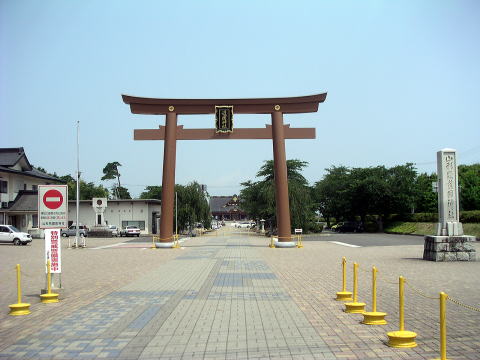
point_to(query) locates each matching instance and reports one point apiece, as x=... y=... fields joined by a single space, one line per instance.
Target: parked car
x=245 y=224
x=350 y=226
x=113 y=229
x=130 y=230
x=336 y=226
x=10 y=234
x=72 y=231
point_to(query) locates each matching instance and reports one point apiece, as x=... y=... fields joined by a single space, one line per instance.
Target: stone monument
x=100 y=229
x=449 y=243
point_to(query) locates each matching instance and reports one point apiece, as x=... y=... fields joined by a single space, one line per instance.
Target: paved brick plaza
x=230 y=296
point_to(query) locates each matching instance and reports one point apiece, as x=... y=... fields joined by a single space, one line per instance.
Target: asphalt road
x=354 y=239
x=366 y=239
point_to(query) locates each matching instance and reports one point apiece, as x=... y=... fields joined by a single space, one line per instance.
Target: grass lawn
x=428 y=228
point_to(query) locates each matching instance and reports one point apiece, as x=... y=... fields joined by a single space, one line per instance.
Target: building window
x=35 y=187
x=35 y=221
x=139 y=224
x=24 y=186
x=3 y=186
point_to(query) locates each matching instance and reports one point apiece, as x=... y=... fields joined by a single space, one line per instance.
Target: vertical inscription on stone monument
x=450 y=167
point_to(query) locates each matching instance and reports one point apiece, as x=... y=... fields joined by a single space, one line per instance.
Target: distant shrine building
x=226 y=208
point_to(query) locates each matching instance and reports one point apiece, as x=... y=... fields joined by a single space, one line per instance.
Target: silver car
x=130 y=230
x=72 y=231
x=114 y=230
x=10 y=234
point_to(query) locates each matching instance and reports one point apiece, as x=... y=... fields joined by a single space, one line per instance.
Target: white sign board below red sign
x=52 y=206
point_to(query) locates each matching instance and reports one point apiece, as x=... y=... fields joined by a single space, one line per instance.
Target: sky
x=402 y=77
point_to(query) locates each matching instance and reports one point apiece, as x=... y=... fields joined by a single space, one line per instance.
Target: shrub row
x=472 y=216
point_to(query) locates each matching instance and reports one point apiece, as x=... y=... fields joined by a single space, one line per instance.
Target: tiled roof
x=26 y=200
x=219 y=204
x=10 y=156
x=33 y=173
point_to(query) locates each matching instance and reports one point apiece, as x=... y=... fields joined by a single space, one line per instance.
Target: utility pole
x=78 y=186
x=176 y=214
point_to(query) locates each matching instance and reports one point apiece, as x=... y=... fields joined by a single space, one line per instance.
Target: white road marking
x=108 y=246
x=344 y=244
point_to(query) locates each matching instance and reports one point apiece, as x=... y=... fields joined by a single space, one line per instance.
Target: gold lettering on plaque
x=224 y=119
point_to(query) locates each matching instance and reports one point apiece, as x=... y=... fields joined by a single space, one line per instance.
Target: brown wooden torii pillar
x=278 y=132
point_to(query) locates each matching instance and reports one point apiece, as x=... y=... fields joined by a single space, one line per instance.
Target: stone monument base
x=449 y=248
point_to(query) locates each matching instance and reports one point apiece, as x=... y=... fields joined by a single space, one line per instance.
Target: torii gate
x=278 y=132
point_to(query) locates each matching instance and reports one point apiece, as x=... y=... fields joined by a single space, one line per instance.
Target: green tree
x=345 y=193
x=152 y=192
x=88 y=190
x=110 y=172
x=193 y=206
x=369 y=192
x=258 y=197
x=469 y=182
x=122 y=192
x=331 y=194
x=401 y=183
x=426 y=200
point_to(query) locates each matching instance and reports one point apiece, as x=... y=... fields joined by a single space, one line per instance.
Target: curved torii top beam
x=286 y=105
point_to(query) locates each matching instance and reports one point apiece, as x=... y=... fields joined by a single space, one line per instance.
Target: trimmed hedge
x=472 y=216
x=315 y=228
x=371 y=226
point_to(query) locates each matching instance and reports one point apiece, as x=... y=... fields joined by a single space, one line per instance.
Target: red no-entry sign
x=52 y=206
x=53 y=199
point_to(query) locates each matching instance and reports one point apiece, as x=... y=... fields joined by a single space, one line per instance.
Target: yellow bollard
x=153 y=242
x=374 y=317
x=49 y=297
x=176 y=243
x=344 y=295
x=19 y=308
x=355 y=307
x=272 y=244
x=443 y=326
x=299 y=241
x=401 y=338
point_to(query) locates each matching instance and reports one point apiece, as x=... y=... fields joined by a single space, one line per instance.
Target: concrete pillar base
x=164 y=245
x=285 y=244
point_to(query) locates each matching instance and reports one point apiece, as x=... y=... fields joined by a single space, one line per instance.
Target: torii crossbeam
x=278 y=132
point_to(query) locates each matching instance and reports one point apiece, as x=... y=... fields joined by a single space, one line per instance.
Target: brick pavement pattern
x=230 y=297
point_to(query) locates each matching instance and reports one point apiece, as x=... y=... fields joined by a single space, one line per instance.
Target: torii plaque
x=278 y=132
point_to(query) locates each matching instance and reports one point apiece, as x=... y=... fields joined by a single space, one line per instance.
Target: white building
x=144 y=213
x=19 y=200
x=19 y=188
